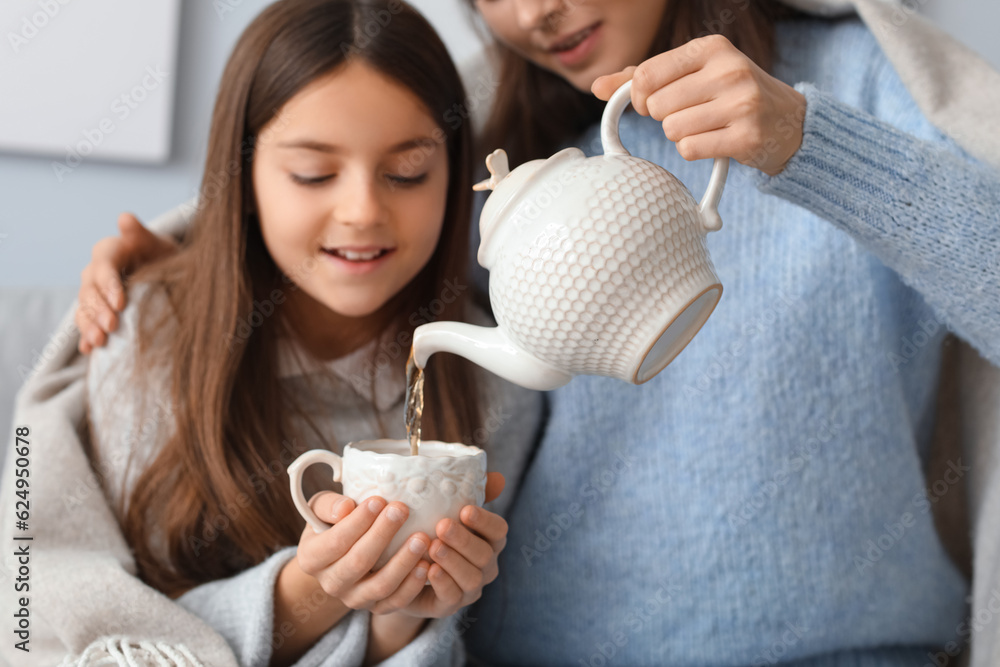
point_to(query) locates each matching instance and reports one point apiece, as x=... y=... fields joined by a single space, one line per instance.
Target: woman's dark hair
x=202 y=494
x=537 y=111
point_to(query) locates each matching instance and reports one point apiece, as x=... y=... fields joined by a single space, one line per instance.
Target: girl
x=334 y=210
x=763 y=499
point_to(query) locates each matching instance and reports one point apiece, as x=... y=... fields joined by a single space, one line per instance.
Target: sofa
x=30 y=316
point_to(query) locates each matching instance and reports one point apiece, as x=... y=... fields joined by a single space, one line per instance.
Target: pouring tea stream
x=598 y=266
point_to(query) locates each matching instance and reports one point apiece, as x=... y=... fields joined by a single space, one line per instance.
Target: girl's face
x=351 y=181
x=579 y=40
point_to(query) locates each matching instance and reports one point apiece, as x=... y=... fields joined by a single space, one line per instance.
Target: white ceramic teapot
x=597 y=266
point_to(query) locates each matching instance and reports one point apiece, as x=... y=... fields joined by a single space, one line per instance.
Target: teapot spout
x=490 y=348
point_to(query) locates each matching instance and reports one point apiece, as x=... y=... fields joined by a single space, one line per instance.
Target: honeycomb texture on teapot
x=607 y=277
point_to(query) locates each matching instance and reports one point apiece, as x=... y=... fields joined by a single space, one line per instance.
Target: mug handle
x=612 y=143
x=295 y=472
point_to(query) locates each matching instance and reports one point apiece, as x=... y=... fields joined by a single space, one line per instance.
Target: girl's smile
x=358 y=259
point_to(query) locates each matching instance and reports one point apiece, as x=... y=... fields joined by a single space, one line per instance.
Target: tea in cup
x=435 y=484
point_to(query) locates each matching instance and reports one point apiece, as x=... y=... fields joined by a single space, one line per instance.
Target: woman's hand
x=713 y=101
x=101 y=295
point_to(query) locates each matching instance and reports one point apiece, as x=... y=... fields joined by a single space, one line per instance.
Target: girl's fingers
x=446 y=591
x=397 y=584
x=491 y=527
x=495 y=483
x=331 y=507
x=361 y=557
x=318 y=551
x=465 y=575
x=378 y=586
x=412 y=586
x=471 y=547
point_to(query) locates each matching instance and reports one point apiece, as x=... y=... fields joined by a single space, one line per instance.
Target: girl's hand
x=457 y=577
x=465 y=560
x=101 y=295
x=713 y=101
x=342 y=556
x=464 y=555
x=396 y=594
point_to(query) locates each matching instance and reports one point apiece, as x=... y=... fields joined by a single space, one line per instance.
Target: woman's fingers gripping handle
x=605 y=86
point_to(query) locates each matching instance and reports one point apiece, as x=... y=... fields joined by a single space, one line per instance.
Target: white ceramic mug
x=436 y=484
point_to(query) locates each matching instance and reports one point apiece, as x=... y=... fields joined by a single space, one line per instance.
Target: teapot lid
x=508 y=188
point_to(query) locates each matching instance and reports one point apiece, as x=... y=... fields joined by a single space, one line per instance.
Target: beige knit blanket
x=86 y=606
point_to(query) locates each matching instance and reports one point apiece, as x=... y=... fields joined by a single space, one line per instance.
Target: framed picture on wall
x=90 y=79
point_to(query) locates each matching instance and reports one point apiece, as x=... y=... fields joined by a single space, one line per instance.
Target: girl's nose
x=361 y=205
x=538 y=14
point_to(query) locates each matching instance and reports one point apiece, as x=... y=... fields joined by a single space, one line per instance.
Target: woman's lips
x=358 y=260
x=575 y=48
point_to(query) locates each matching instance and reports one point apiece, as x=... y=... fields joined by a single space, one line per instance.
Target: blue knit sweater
x=763 y=499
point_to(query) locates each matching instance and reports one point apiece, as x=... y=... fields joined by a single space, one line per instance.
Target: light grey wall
x=47 y=227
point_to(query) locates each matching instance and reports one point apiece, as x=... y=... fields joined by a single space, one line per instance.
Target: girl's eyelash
x=319 y=180
x=311 y=180
x=407 y=180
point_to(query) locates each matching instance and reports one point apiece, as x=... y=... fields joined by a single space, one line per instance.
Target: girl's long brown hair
x=537 y=111
x=204 y=492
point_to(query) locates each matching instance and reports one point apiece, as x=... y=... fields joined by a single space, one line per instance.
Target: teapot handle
x=612 y=143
